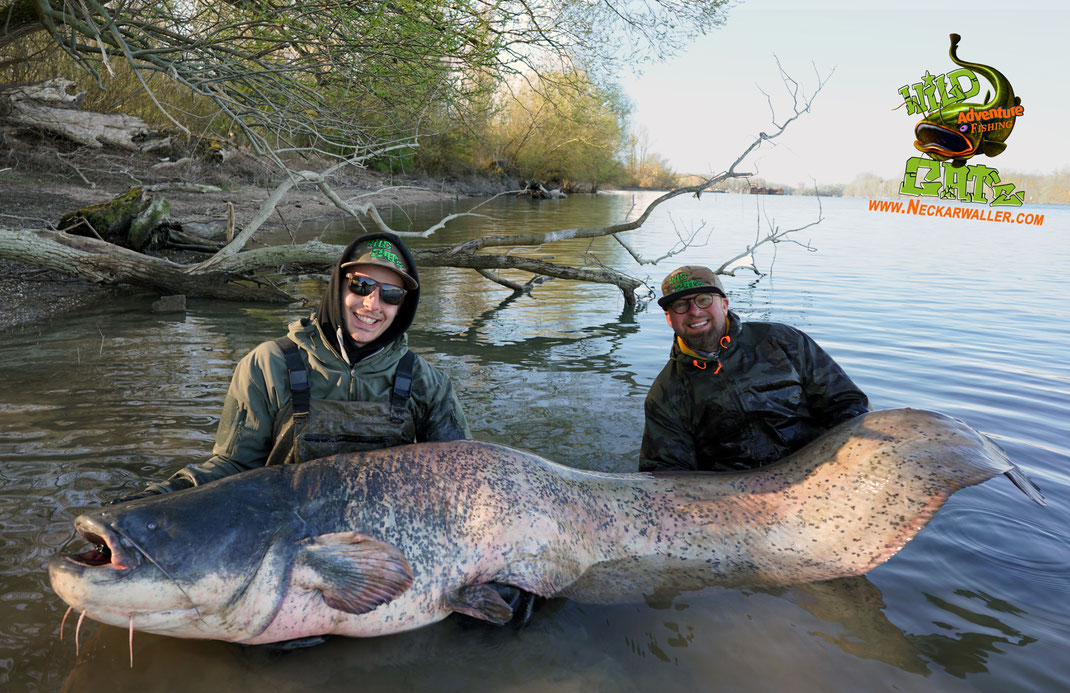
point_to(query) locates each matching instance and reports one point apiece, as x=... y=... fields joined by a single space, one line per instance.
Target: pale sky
x=703 y=107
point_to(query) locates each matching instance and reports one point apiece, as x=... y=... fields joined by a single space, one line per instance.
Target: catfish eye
x=964 y=128
x=151 y=526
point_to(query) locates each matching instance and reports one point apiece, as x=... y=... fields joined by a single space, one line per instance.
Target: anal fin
x=482 y=602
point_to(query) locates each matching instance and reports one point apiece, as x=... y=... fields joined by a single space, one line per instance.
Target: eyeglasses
x=683 y=305
x=388 y=293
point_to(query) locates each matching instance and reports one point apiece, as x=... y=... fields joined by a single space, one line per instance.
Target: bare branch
x=745 y=259
x=524 y=288
x=682 y=244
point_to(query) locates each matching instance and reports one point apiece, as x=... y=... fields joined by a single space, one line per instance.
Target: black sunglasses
x=388 y=293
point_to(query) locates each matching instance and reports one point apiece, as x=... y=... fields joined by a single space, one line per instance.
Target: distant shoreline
x=1040 y=189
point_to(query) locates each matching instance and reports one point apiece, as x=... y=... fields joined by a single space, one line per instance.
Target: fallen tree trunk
x=98 y=261
x=47 y=107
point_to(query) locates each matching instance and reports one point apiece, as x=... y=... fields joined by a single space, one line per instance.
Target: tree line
x=519 y=87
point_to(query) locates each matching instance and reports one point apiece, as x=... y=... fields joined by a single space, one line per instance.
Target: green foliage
x=339 y=78
x=643 y=168
x=397 y=162
x=561 y=127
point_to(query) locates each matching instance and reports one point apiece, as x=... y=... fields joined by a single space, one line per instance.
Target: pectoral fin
x=482 y=602
x=354 y=572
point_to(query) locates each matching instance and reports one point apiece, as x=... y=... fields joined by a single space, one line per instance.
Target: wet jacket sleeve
x=833 y=397
x=438 y=411
x=246 y=426
x=666 y=444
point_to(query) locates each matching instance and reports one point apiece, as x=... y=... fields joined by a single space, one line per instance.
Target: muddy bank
x=38 y=184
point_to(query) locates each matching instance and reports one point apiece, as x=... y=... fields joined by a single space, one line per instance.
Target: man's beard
x=707 y=343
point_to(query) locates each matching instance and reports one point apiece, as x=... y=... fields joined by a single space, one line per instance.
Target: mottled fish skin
x=467 y=513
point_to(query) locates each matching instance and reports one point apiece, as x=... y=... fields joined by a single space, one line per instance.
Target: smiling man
x=736 y=395
x=342 y=380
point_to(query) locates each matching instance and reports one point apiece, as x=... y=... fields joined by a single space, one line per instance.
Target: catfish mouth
x=109 y=548
x=937 y=139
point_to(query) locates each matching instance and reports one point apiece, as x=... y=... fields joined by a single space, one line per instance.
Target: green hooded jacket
x=259 y=403
x=259 y=397
x=765 y=394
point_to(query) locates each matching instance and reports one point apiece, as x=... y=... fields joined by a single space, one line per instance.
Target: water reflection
x=855 y=604
x=472 y=341
x=963 y=652
x=449 y=656
x=972 y=629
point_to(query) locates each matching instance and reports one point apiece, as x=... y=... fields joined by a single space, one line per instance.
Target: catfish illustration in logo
x=943 y=137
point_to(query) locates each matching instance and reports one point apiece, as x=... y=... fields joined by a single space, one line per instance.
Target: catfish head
x=943 y=135
x=205 y=562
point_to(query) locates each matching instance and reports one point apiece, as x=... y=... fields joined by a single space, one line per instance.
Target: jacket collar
x=309 y=334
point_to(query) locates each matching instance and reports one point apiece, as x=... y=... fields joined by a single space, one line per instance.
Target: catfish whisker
x=64 y=621
x=77 y=634
x=161 y=568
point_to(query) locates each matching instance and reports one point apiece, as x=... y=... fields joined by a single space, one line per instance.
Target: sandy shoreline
x=36 y=199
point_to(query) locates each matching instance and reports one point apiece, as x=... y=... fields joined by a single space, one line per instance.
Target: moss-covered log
x=132 y=220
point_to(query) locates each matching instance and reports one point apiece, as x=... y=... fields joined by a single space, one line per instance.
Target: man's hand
x=175 y=483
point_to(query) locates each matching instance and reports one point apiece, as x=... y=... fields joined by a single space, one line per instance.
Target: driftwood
x=105 y=263
x=538 y=191
x=48 y=107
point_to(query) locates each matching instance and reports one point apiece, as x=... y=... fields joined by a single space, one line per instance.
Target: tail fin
x=1030 y=489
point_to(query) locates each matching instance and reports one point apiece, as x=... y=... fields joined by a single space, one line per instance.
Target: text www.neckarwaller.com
x=923 y=209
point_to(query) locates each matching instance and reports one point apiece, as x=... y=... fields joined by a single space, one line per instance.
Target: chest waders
x=312 y=428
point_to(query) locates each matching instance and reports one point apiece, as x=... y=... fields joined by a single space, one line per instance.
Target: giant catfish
x=380 y=542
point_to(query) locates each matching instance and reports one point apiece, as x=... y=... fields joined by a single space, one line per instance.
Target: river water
x=968 y=318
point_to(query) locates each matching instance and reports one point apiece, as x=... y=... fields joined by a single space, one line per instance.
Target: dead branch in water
x=233 y=271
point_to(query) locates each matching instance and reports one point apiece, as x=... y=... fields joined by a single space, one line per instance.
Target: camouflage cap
x=688 y=280
x=384 y=253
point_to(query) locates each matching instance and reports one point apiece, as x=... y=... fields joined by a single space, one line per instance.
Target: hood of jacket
x=332 y=310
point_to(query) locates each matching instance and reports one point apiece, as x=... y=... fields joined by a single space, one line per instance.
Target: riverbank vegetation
x=494 y=88
x=517 y=89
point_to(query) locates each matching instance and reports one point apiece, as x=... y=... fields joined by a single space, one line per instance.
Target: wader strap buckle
x=299 y=389
x=402 y=387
